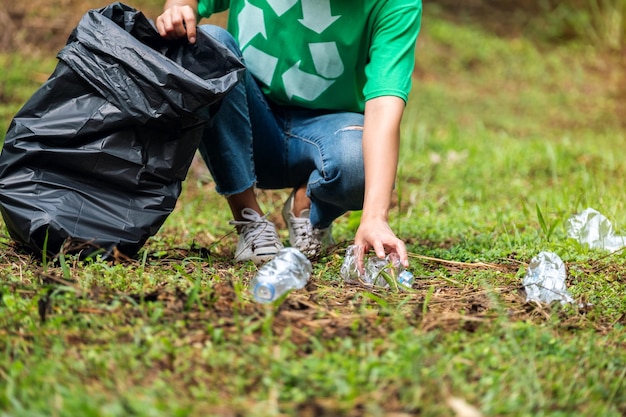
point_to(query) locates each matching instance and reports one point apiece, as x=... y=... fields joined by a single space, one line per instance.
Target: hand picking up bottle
x=288 y=270
x=385 y=273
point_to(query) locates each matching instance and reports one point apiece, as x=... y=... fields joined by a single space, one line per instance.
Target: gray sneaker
x=258 y=239
x=309 y=240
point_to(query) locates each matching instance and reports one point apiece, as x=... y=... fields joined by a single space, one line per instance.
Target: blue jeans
x=254 y=142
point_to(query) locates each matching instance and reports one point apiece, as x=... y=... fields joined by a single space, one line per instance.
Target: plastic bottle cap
x=405 y=278
x=264 y=292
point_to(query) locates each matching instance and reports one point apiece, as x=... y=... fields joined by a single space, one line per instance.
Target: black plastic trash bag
x=99 y=153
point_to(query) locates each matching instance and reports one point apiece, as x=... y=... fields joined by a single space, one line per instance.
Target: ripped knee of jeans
x=350 y=128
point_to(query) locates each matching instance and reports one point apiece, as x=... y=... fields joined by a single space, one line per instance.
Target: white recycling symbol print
x=316 y=16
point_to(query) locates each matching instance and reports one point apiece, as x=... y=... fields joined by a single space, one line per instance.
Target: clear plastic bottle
x=288 y=270
x=377 y=272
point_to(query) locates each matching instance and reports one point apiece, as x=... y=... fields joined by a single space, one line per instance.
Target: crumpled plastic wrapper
x=592 y=228
x=545 y=279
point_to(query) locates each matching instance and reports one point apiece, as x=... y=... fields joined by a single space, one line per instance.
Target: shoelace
x=256 y=230
x=306 y=237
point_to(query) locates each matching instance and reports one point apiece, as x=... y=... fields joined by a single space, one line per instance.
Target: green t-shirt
x=325 y=54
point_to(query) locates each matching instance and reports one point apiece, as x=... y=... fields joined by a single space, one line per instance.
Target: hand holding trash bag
x=177 y=21
x=98 y=154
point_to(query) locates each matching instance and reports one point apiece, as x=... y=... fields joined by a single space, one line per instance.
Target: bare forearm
x=381 y=141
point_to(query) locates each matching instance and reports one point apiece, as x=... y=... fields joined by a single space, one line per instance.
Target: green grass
x=21 y=75
x=503 y=141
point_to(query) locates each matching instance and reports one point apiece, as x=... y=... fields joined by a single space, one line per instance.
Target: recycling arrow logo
x=317 y=17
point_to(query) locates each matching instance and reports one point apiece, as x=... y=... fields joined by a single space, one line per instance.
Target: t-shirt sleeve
x=392 y=50
x=207 y=7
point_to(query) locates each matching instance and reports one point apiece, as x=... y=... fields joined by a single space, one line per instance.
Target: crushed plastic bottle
x=377 y=272
x=288 y=270
x=545 y=279
x=592 y=228
x=349 y=271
